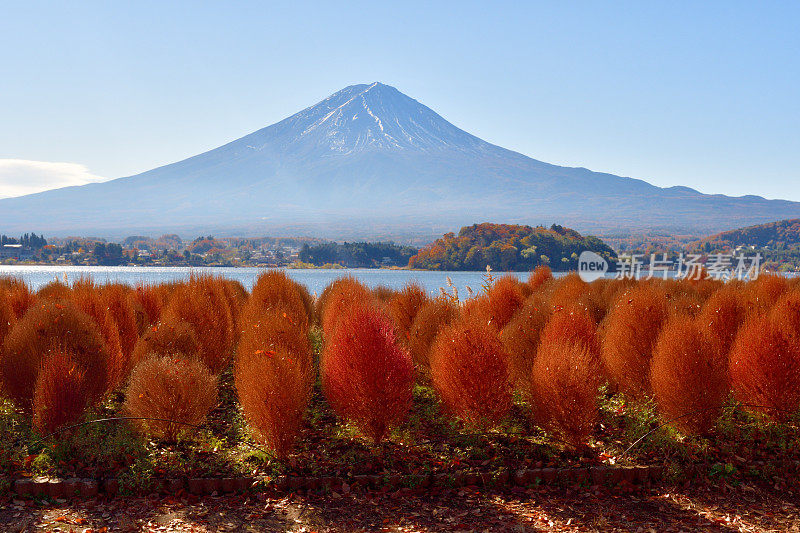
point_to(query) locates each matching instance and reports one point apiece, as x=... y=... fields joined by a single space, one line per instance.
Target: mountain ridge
x=367 y=162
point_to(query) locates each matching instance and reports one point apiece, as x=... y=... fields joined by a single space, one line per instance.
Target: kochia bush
x=632 y=327
x=689 y=376
x=765 y=365
x=573 y=324
x=505 y=298
x=366 y=376
x=539 y=277
x=432 y=317
x=403 y=308
x=276 y=288
x=178 y=391
x=49 y=326
x=274 y=388
x=18 y=295
x=720 y=318
x=275 y=330
x=563 y=390
x=7 y=316
x=337 y=300
x=168 y=337
x=202 y=304
x=469 y=369
x=60 y=394
x=521 y=339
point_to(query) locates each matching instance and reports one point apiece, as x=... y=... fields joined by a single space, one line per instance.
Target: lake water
x=315 y=279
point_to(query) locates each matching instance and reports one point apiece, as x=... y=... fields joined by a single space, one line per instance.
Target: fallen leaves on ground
x=708 y=509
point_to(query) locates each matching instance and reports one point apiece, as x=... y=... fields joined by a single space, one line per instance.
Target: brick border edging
x=596 y=475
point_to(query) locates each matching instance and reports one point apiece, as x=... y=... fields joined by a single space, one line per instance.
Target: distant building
x=15 y=251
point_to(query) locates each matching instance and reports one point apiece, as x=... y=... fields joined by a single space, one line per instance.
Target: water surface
x=315 y=279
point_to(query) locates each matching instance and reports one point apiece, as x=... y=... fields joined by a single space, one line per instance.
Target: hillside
x=370 y=163
x=508 y=247
x=777 y=242
x=780 y=234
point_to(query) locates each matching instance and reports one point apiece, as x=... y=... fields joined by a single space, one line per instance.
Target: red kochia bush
x=632 y=327
x=273 y=383
x=563 y=391
x=60 y=393
x=688 y=375
x=469 y=369
x=403 y=308
x=366 y=376
x=765 y=367
x=177 y=389
x=432 y=317
x=337 y=300
x=48 y=326
x=521 y=339
x=505 y=298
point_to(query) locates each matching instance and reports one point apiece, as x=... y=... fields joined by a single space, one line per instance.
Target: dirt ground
x=718 y=509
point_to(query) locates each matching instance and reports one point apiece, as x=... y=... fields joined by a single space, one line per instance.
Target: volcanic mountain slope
x=370 y=162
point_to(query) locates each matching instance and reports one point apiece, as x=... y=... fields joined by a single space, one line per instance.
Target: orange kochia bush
x=18 y=295
x=432 y=317
x=275 y=287
x=539 y=277
x=366 y=375
x=521 y=339
x=169 y=337
x=631 y=330
x=565 y=375
x=469 y=369
x=49 y=326
x=273 y=384
x=505 y=298
x=689 y=375
x=202 y=304
x=574 y=324
x=563 y=390
x=403 y=308
x=720 y=318
x=7 y=316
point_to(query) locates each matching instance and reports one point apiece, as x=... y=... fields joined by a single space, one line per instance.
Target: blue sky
x=679 y=93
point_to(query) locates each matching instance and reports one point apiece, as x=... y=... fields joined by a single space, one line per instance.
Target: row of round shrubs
x=686 y=344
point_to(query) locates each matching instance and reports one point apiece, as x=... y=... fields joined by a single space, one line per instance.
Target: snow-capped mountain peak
x=369 y=117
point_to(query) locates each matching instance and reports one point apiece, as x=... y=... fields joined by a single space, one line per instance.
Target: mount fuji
x=370 y=162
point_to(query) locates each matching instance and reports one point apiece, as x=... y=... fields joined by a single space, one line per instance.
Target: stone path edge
x=596 y=475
